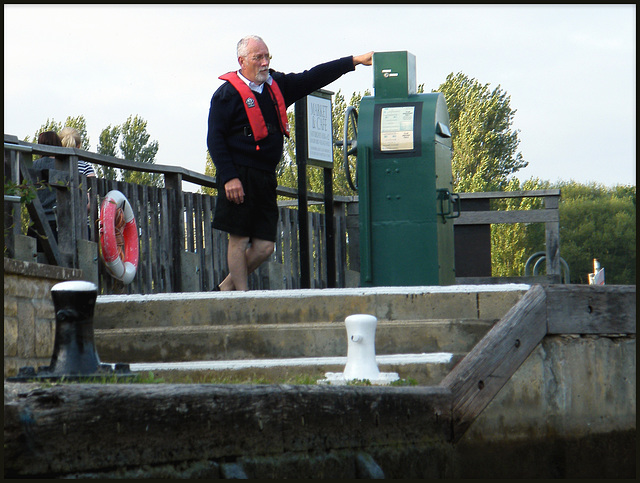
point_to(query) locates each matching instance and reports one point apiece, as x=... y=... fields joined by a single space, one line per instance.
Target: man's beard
x=262 y=76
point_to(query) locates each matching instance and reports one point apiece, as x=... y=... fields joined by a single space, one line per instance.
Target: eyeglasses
x=261 y=57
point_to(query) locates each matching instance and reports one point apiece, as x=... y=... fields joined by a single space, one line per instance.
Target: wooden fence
x=179 y=249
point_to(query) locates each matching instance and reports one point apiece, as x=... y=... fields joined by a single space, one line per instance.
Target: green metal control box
x=405 y=182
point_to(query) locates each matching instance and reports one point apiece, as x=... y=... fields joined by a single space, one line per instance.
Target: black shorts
x=257 y=217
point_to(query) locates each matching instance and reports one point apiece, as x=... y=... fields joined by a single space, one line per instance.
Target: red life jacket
x=251 y=107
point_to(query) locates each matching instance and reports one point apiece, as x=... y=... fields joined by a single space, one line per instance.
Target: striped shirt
x=85 y=168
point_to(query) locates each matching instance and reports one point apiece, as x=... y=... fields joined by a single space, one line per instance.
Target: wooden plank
x=56 y=430
x=509 y=216
x=285 y=218
x=510 y=194
x=39 y=218
x=220 y=254
x=12 y=211
x=341 y=244
x=552 y=244
x=155 y=241
x=314 y=230
x=189 y=225
x=166 y=245
x=103 y=289
x=145 y=263
x=591 y=309
x=353 y=233
x=295 y=248
x=75 y=208
x=199 y=237
x=173 y=185
x=113 y=162
x=476 y=380
x=208 y=264
x=83 y=209
x=92 y=185
x=538 y=279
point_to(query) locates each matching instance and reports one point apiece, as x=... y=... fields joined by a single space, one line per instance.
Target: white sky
x=570 y=71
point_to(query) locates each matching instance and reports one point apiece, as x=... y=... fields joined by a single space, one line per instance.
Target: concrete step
x=294 y=340
x=484 y=302
x=422 y=369
x=284 y=325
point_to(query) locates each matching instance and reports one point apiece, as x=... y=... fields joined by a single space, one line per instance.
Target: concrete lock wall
x=569 y=411
x=29 y=319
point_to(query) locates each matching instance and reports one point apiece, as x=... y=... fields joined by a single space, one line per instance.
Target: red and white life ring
x=121 y=264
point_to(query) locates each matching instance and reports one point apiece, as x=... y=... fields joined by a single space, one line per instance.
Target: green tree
x=484 y=143
x=209 y=170
x=134 y=145
x=78 y=122
x=107 y=146
x=598 y=222
x=513 y=243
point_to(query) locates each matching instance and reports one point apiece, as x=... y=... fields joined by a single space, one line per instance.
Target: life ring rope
x=118 y=240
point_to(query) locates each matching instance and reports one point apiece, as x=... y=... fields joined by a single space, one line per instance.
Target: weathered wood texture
x=63 y=429
x=591 y=309
x=552 y=309
x=549 y=215
x=488 y=366
x=172 y=223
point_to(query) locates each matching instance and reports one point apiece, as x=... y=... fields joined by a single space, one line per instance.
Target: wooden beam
x=507 y=216
x=591 y=309
x=476 y=380
x=510 y=194
x=68 y=428
x=39 y=218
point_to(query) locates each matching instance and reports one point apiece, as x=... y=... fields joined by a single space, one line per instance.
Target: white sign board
x=319 y=131
x=396 y=128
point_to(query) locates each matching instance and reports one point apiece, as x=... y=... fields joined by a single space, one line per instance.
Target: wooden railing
x=179 y=249
x=473 y=234
x=181 y=252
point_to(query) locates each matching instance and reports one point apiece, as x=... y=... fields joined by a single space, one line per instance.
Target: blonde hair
x=70 y=137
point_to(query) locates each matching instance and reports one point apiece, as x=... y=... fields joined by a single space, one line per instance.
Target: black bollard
x=74 y=353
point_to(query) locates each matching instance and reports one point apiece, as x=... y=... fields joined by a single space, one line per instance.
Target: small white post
x=361 y=347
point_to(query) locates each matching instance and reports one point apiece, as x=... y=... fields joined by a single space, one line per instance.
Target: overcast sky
x=570 y=71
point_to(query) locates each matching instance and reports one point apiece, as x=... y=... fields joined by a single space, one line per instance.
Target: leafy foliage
x=598 y=222
x=484 y=143
x=512 y=244
x=78 y=122
x=107 y=146
x=134 y=146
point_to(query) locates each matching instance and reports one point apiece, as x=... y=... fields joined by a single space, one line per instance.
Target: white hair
x=244 y=41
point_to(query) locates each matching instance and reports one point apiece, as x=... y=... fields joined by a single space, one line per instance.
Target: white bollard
x=361 y=347
x=361 y=354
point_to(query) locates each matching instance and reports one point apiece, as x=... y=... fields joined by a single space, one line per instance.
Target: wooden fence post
x=552 y=236
x=173 y=182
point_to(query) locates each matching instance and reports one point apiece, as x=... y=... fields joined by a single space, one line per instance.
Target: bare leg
x=243 y=259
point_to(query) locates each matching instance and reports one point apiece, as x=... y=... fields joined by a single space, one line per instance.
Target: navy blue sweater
x=229 y=147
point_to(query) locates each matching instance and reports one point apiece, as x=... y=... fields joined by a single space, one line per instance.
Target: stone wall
x=569 y=411
x=29 y=319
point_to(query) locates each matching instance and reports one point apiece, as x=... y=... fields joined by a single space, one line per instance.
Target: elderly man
x=247 y=122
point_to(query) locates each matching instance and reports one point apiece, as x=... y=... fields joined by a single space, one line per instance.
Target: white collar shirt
x=252 y=85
